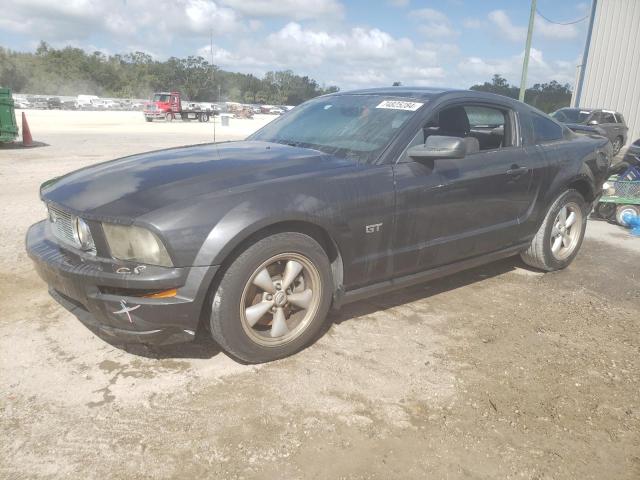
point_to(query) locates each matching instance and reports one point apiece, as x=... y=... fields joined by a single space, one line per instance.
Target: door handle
x=516 y=170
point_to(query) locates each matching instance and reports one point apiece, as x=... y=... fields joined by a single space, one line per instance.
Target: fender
x=241 y=222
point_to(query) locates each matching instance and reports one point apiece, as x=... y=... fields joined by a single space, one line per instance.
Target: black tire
x=148 y=119
x=606 y=210
x=617 y=145
x=169 y=117
x=205 y=117
x=622 y=209
x=539 y=254
x=226 y=325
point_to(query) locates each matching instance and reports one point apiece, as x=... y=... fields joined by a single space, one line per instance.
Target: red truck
x=168 y=106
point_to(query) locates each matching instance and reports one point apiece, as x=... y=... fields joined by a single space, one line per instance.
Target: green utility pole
x=527 y=50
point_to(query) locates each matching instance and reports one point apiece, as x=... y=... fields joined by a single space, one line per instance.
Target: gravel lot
x=498 y=372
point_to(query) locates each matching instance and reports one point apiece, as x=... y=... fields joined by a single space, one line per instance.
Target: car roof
x=411 y=92
x=428 y=93
x=591 y=110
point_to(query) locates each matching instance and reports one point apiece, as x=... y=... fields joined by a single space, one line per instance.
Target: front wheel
x=560 y=236
x=273 y=299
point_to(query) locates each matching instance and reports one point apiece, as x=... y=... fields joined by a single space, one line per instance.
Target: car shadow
x=204 y=347
x=425 y=290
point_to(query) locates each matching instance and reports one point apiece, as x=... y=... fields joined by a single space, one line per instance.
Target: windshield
x=160 y=97
x=571 y=115
x=349 y=126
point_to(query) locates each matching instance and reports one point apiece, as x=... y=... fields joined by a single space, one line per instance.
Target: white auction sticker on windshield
x=400 y=105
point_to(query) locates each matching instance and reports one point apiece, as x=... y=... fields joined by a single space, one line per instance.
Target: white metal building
x=610 y=73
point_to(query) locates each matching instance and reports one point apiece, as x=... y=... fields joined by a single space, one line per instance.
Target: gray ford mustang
x=345 y=196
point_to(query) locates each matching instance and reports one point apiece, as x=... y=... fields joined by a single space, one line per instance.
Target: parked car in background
x=85 y=101
x=54 y=103
x=631 y=159
x=98 y=104
x=604 y=122
x=21 y=103
x=347 y=196
x=110 y=104
x=276 y=111
x=38 y=103
x=70 y=105
x=634 y=149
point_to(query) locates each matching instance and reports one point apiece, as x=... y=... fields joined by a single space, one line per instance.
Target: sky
x=347 y=43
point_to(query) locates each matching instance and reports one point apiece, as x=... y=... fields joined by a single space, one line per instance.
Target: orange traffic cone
x=27 y=141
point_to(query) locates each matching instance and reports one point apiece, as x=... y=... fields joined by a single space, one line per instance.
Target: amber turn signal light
x=163 y=294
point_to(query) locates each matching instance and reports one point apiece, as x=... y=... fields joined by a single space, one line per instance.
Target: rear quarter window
x=545 y=130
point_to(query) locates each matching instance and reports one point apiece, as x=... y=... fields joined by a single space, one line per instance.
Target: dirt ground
x=498 y=372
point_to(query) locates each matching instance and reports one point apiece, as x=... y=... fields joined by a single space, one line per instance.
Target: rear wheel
x=205 y=117
x=617 y=145
x=273 y=299
x=560 y=236
x=169 y=117
x=148 y=119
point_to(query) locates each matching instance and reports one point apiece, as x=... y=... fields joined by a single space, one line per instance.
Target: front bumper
x=111 y=302
x=155 y=114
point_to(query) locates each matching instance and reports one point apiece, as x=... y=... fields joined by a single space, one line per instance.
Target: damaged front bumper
x=108 y=296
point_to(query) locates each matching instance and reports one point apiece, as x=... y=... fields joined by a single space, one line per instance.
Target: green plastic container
x=8 y=125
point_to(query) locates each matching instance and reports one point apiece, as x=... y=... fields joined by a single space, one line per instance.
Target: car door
x=451 y=209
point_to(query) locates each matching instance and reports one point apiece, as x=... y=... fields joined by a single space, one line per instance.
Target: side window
x=545 y=130
x=484 y=117
x=490 y=126
x=485 y=128
x=608 y=118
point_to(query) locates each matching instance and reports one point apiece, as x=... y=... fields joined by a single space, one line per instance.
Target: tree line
x=547 y=97
x=72 y=71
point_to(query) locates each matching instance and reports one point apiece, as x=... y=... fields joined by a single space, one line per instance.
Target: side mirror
x=439 y=147
x=593 y=122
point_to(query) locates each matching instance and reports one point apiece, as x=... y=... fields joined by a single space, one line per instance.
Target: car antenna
x=212 y=70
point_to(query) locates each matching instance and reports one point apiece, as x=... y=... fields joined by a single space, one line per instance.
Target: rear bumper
x=111 y=303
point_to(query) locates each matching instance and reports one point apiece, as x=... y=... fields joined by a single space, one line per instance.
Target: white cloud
x=541 y=28
x=296 y=9
x=472 y=23
x=478 y=70
x=553 y=30
x=76 y=20
x=501 y=20
x=433 y=23
x=354 y=58
x=398 y=3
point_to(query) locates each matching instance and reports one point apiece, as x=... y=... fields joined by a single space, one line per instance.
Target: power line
x=562 y=23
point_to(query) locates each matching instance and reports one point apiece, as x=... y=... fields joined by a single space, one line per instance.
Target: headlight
x=608 y=188
x=83 y=234
x=136 y=244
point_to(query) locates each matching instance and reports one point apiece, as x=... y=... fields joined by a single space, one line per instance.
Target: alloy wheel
x=566 y=231
x=280 y=299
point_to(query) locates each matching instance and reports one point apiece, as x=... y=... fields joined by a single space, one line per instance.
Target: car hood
x=132 y=186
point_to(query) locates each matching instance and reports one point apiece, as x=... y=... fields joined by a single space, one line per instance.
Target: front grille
x=62 y=225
